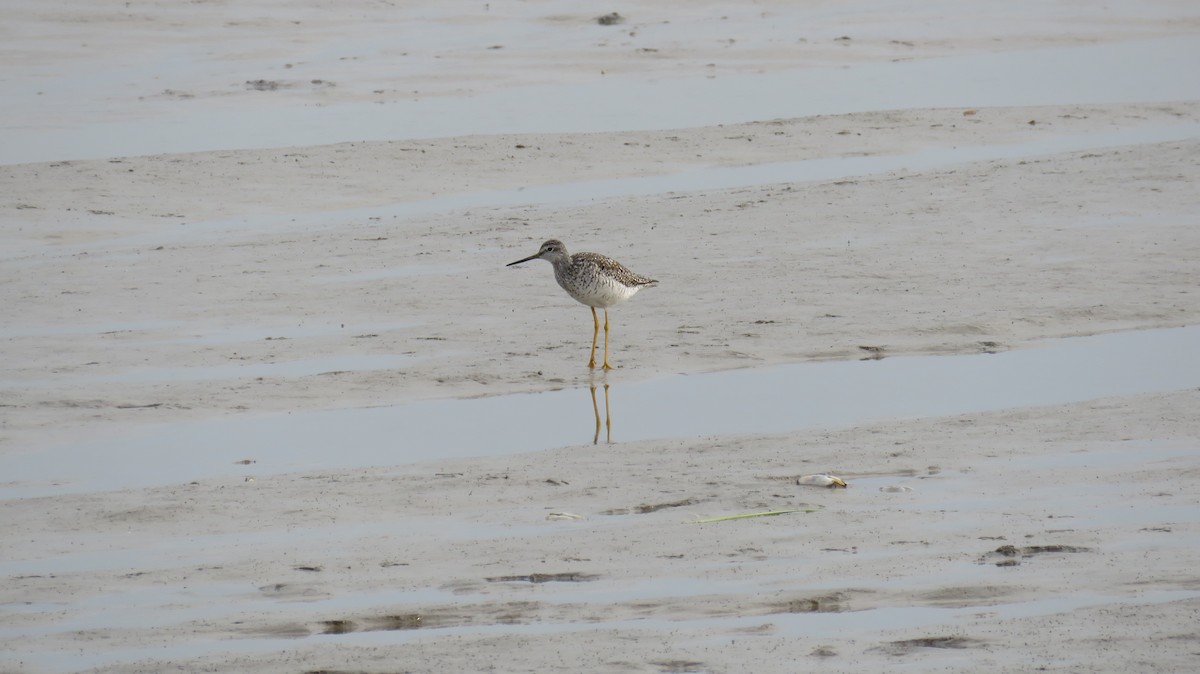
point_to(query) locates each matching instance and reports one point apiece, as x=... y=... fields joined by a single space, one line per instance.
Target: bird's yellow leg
x=606 y=365
x=595 y=333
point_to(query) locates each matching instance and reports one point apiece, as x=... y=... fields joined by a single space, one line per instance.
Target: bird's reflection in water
x=596 y=410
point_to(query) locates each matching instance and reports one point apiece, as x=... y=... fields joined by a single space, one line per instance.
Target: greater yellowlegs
x=592 y=279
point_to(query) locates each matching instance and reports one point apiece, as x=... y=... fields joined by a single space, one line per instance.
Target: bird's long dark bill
x=524 y=259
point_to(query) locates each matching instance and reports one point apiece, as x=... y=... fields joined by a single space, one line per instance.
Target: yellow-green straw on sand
x=769 y=513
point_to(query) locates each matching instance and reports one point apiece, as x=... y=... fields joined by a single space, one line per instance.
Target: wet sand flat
x=244 y=218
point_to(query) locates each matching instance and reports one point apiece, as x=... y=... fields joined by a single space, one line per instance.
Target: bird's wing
x=615 y=269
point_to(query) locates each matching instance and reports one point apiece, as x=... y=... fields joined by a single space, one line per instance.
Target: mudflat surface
x=250 y=214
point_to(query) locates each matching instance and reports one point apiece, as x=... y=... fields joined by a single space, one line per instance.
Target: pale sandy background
x=220 y=222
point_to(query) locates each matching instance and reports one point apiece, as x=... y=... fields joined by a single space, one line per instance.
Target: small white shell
x=563 y=516
x=821 y=480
